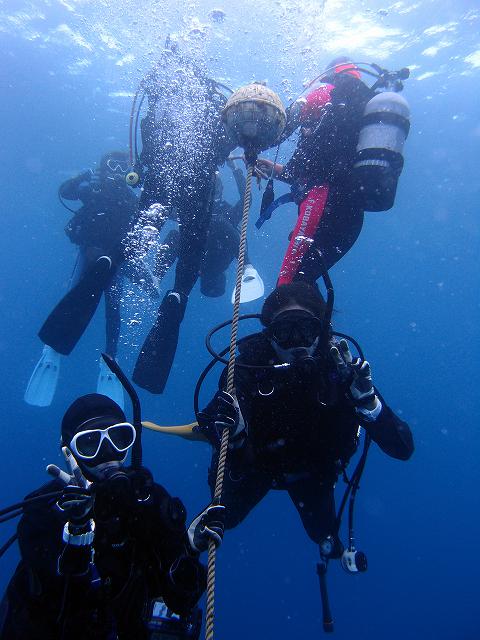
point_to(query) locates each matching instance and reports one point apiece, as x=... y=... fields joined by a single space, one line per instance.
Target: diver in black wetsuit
x=296 y=428
x=98 y=228
x=184 y=142
x=106 y=557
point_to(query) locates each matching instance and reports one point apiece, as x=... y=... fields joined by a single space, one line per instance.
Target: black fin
x=67 y=322
x=158 y=351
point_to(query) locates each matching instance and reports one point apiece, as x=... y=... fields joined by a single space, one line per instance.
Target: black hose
x=352 y=340
x=28 y=501
x=136 y=408
x=203 y=375
x=352 y=487
x=135 y=132
x=355 y=488
x=8 y=544
x=219 y=357
x=11 y=516
x=326 y=612
x=63 y=202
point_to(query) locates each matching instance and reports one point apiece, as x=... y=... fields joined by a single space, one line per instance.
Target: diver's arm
x=293 y=118
x=392 y=435
x=75 y=188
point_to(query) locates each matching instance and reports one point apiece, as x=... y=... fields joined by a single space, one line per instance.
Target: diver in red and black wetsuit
x=331 y=205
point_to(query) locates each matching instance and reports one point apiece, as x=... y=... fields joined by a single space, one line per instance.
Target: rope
x=230 y=389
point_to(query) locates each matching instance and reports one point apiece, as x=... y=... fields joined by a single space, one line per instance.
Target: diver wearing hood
x=183 y=143
x=295 y=428
x=109 y=556
x=98 y=228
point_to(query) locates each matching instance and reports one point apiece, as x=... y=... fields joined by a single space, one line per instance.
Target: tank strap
x=385 y=117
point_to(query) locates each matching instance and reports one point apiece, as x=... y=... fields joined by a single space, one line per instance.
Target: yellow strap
x=183 y=430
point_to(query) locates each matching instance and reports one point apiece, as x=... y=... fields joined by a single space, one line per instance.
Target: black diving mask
x=294 y=329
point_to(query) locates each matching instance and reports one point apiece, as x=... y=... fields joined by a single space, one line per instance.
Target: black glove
x=77 y=504
x=357 y=372
x=208 y=525
x=227 y=415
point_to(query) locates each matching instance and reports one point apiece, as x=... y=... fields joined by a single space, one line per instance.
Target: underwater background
x=408 y=291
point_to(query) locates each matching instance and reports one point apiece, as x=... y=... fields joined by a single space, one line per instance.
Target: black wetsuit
x=98 y=227
x=325 y=155
x=183 y=143
x=223 y=241
x=139 y=555
x=301 y=431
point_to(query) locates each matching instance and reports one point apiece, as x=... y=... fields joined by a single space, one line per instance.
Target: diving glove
x=77 y=504
x=359 y=375
x=208 y=525
x=227 y=413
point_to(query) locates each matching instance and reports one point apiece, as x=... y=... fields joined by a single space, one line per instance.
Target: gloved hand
x=77 y=503
x=208 y=525
x=227 y=414
x=358 y=373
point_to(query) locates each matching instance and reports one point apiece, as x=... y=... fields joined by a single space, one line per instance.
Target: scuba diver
x=348 y=159
x=183 y=143
x=300 y=397
x=221 y=248
x=105 y=552
x=98 y=227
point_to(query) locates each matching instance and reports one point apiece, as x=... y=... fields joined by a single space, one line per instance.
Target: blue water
x=408 y=291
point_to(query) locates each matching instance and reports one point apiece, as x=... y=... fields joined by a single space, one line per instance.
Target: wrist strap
x=370 y=415
x=79 y=539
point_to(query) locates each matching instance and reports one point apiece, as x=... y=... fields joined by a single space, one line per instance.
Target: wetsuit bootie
x=156 y=357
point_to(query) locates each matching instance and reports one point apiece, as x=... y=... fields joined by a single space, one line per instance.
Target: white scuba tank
x=379 y=156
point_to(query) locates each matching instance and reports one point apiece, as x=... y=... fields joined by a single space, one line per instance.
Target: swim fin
x=65 y=325
x=158 y=351
x=252 y=285
x=109 y=385
x=43 y=381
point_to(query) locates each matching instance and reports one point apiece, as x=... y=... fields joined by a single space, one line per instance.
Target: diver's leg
x=335 y=236
x=310 y=213
x=315 y=502
x=167 y=254
x=242 y=491
x=158 y=351
x=67 y=322
x=222 y=247
x=194 y=217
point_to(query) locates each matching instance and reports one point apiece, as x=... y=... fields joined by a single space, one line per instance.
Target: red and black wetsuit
x=331 y=212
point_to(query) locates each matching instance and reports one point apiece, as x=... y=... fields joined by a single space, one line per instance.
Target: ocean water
x=408 y=290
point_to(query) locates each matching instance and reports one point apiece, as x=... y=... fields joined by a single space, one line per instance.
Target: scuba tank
x=379 y=160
